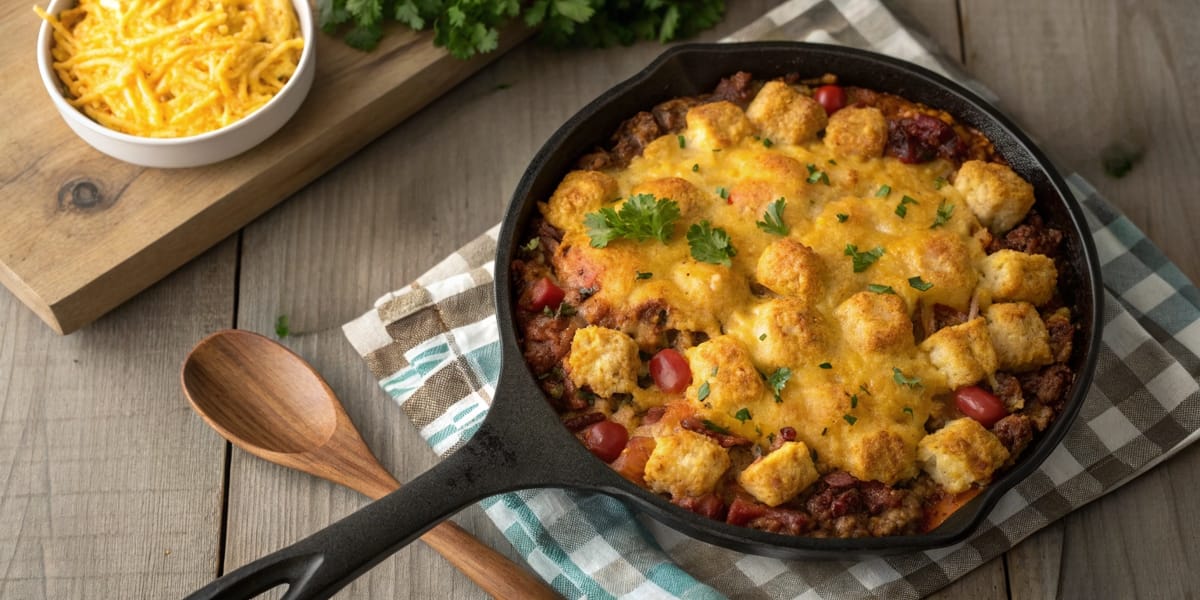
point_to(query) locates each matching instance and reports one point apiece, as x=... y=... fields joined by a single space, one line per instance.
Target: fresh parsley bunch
x=469 y=27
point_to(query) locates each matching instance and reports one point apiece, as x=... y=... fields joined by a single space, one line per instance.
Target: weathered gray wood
x=1081 y=75
x=372 y=225
x=109 y=486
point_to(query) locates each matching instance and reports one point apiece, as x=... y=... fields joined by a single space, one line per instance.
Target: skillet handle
x=318 y=566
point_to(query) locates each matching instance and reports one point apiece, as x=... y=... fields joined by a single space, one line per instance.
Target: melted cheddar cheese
x=860 y=388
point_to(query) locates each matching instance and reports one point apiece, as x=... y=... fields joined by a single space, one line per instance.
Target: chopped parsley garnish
x=773 y=218
x=854 y=401
x=825 y=365
x=696 y=168
x=762 y=337
x=723 y=193
x=640 y=218
x=880 y=288
x=902 y=208
x=900 y=379
x=862 y=260
x=682 y=141
x=709 y=425
x=563 y=310
x=713 y=372
x=642 y=275
x=767 y=142
x=883 y=192
x=702 y=392
x=944 y=211
x=777 y=380
x=282 y=329
x=908 y=410
x=863 y=388
x=816 y=175
x=939 y=183
x=919 y=284
x=851 y=419
x=841 y=217
x=710 y=245
x=824 y=430
x=832 y=162
x=743 y=415
x=531 y=245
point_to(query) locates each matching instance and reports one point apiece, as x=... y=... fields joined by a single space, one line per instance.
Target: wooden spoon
x=271 y=403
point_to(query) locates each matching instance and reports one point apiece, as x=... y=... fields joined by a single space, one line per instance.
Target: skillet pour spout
x=500 y=457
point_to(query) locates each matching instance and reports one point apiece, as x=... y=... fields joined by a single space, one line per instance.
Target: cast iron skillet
x=522 y=443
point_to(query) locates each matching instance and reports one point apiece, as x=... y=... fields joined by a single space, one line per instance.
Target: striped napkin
x=434 y=348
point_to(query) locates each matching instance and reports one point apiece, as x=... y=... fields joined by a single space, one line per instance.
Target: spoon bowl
x=268 y=401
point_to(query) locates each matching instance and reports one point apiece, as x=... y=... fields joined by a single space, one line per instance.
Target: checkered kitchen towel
x=434 y=348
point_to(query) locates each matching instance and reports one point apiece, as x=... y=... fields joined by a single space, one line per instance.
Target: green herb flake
x=832 y=162
x=884 y=191
x=854 y=401
x=710 y=244
x=531 y=245
x=696 y=168
x=709 y=425
x=767 y=142
x=880 y=289
x=909 y=411
x=825 y=365
x=919 y=284
x=939 y=183
x=773 y=218
x=723 y=193
x=824 y=430
x=641 y=217
x=743 y=415
x=642 y=275
x=702 y=392
x=900 y=379
x=862 y=260
x=778 y=380
x=816 y=175
x=944 y=211
x=282 y=329
x=862 y=387
x=762 y=337
x=902 y=208
x=682 y=141
x=715 y=369
x=851 y=419
x=841 y=217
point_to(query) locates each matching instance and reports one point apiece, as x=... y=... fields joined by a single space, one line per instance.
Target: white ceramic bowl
x=191 y=151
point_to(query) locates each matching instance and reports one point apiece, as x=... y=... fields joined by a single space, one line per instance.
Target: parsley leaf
x=909 y=411
x=696 y=168
x=880 y=288
x=862 y=260
x=841 y=217
x=767 y=142
x=816 y=175
x=884 y=191
x=851 y=419
x=743 y=415
x=702 y=392
x=900 y=379
x=709 y=244
x=854 y=401
x=939 y=183
x=920 y=284
x=641 y=217
x=762 y=337
x=944 y=211
x=778 y=380
x=282 y=328
x=773 y=219
x=682 y=141
x=902 y=208
x=825 y=365
x=532 y=245
x=723 y=193
x=642 y=275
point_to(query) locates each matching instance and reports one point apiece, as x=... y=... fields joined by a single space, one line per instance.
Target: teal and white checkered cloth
x=434 y=348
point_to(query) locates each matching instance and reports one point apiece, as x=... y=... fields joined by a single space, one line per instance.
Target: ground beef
x=922 y=138
x=946 y=316
x=1008 y=389
x=738 y=89
x=746 y=512
x=547 y=341
x=1032 y=236
x=1015 y=432
x=1062 y=335
x=633 y=136
x=579 y=422
x=671 y=115
x=1048 y=386
x=708 y=505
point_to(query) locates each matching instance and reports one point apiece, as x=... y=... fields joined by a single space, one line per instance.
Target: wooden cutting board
x=80 y=232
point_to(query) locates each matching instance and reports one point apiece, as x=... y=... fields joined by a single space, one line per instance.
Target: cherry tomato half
x=545 y=294
x=831 y=97
x=670 y=371
x=606 y=440
x=980 y=404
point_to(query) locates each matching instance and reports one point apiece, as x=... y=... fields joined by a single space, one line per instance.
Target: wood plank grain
x=369 y=227
x=125 y=227
x=1082 y=75
x=109 y=486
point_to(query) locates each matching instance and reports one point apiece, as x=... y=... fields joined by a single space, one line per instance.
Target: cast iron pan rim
x=966 y=520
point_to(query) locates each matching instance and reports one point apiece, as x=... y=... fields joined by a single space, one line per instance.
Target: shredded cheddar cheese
x=173 y=68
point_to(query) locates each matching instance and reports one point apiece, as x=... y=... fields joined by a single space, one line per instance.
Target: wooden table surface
x=111 y=488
